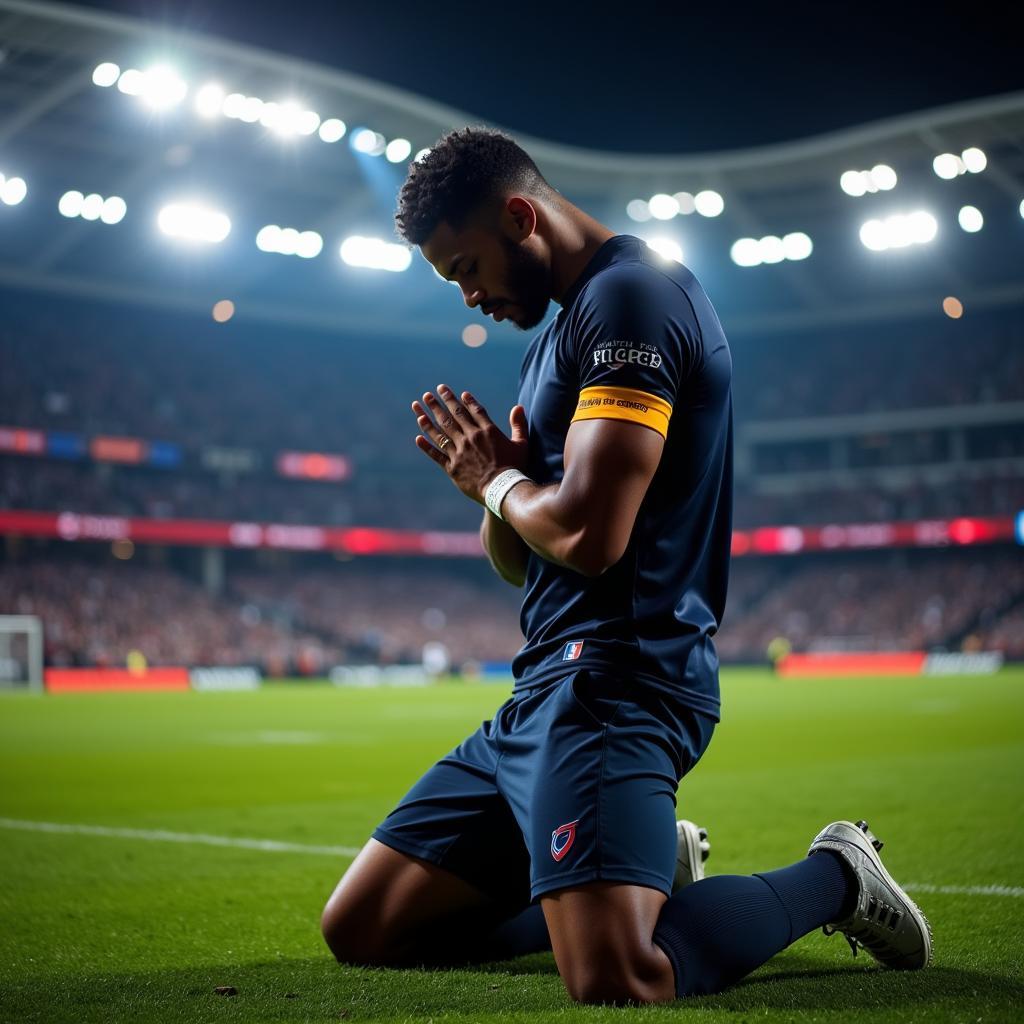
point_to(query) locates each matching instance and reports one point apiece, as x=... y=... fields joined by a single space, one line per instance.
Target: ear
x=518 y=218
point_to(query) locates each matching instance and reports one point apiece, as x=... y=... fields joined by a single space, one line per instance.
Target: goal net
x=21 y=652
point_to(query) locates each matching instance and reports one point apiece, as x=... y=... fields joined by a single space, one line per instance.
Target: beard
x=528 y=284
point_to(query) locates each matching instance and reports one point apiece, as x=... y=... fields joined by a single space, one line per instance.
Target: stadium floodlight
x=771 y=249
x=332 y=129
x=289 y=241
x=375 y=253
x=398 y=150
x=708 y=203
x=685 y=201
x=923 y=227
x=883 y=176
x=233 y=105
x=268 y=239
x=210 y=100
x=193 y=222
x=746 y=252
x=12 y=190
x=873 y=235
x=92 y=207
x=131 y=82
x=852 y=183
x=252 y=107
x=970 y=218
x=421 y=154
x=663 y=206
x=974 y=159
x=669 y=248
x=899 y=231
x=307 y=122
x=367 y=141
x=113 y=211
x=272 y=115
x=70 y=204
x=289 y=119
x=162 y=87
x=796 y=245
x=106 y=74
x=310 y=245
x=947 y=165
x=638 y=210
x=1020 y=209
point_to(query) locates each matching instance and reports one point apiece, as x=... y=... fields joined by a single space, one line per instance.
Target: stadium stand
x=303 y=615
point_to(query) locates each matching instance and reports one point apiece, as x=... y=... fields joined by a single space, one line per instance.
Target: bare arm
x=506 y=550
x=584 y=522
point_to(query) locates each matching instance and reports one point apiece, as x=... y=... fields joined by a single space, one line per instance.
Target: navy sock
x=475 y=937
x=716 y=931
x=527 y=932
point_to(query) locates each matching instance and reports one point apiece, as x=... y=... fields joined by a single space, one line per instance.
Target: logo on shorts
x=562 y=839
x=573 y=649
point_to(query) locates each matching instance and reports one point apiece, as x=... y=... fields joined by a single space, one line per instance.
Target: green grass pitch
x=120 y=927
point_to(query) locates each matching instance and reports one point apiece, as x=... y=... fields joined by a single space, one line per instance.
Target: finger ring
x=444 y=440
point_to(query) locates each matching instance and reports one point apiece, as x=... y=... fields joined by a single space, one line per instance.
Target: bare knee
x=613 y=977
x=356 y=937
x=348 y=938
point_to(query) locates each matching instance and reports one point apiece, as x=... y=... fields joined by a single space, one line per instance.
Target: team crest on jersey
x=573 y=649
x=562 y=839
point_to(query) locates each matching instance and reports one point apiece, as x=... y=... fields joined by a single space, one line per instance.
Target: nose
x=475 y=297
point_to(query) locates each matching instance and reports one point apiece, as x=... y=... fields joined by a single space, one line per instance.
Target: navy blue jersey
x=636 y=339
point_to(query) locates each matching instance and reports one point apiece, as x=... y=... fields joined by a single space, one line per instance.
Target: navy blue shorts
x=569 y=783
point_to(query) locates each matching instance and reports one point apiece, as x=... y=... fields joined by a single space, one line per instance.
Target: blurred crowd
x=199 y=384
x=306 y=619
x=990 y=496
x=880 y=602
x=879 y=367
x=252 y=393
x=286 y=623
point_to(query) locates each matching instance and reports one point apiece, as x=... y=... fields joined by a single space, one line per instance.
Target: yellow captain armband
x=605 y=403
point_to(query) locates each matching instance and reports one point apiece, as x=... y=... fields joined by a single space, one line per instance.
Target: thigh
x=384 y=902
x=455 y=819
x=601 y=935
x=592 y=780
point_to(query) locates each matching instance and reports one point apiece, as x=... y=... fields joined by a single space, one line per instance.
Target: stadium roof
x=62 y=132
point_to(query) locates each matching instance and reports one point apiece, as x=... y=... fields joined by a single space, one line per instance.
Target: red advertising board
x=96 y=680
x=370 y=540
x=841 y=663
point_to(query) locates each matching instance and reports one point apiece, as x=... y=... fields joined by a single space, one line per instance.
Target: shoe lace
x=830 y=930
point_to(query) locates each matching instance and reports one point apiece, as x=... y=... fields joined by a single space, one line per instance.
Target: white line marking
x=277 y=846
x=967 y=890
x=161 y=836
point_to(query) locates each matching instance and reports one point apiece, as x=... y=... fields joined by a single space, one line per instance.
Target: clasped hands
x=465 y=442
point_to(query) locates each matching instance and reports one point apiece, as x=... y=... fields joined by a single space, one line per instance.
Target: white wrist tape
x=499 y=487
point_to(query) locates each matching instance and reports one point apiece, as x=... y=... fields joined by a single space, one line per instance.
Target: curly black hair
x=462 y=172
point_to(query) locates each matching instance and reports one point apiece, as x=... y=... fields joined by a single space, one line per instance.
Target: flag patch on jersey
x=572 y=651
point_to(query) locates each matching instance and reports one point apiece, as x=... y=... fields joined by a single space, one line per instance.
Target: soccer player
x=553 y=825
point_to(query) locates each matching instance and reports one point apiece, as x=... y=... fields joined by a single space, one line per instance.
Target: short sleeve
x=634 y=344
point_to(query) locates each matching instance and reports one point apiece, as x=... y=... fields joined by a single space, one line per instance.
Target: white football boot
x=885 y=921
x=692 y=849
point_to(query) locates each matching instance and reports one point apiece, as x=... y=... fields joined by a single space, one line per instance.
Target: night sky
x=706 y=77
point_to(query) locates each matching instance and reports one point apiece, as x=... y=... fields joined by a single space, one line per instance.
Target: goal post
x=21 y=653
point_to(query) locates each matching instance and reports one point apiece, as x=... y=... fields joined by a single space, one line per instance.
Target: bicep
x=609 y=464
